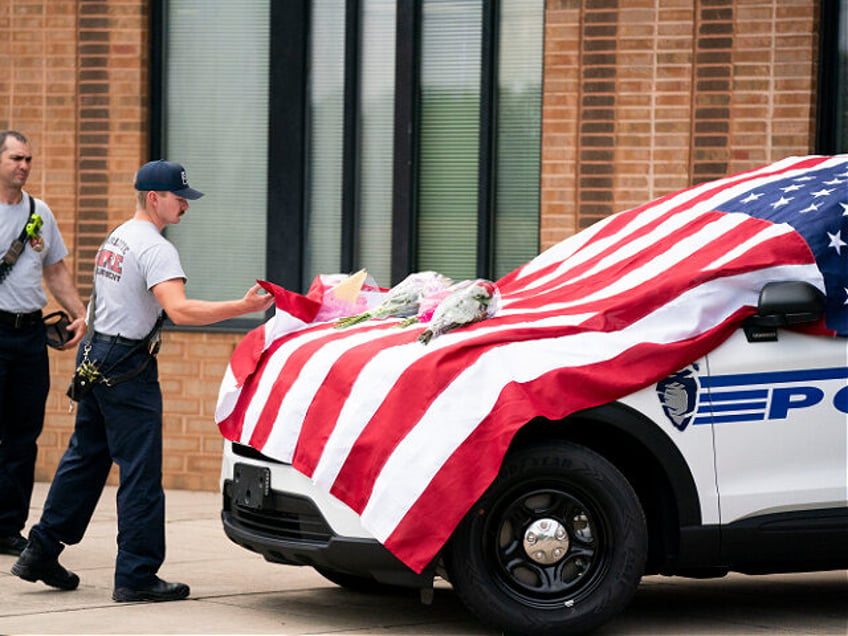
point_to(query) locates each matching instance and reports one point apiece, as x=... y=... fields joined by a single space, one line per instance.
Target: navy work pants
x=24 y=383
x=121 y=423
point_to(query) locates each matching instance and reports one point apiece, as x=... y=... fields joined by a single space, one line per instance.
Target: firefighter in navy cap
x=137 y=276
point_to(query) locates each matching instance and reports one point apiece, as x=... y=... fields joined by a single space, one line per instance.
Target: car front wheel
x=556 y=545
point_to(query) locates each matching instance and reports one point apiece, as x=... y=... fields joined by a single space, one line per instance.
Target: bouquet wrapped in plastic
x=344 y=295
x=402 y=300
x=464 y=303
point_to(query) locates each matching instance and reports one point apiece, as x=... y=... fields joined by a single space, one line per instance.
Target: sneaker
x=159 y=590
x=13 y=544
x=34 y=566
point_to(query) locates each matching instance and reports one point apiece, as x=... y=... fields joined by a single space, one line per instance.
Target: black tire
x=602 y=542
x=360 y=584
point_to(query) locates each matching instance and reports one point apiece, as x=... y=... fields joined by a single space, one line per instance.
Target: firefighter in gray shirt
x=137 y=275
x=24 y=368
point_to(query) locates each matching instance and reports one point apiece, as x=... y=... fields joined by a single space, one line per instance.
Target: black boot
x=159 y=590
x=33 y=565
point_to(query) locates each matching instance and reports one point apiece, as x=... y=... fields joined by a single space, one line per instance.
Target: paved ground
x=234 y=591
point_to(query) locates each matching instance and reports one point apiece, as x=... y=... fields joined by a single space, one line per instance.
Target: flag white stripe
x=675 y=256
x=666 y=261
x=228 y=395
x=772 y=231
x=372 y=385
x=289 y=420
x=270 y=374
x=569 y=248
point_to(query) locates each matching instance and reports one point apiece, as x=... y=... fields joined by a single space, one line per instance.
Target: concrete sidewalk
x=234 y=591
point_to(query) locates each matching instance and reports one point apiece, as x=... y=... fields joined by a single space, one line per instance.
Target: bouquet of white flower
x=468 y=302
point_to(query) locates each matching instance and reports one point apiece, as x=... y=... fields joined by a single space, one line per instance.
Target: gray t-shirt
x=132 y=259
x=22 y=291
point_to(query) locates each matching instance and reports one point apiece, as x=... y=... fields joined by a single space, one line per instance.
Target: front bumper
x=287 y=526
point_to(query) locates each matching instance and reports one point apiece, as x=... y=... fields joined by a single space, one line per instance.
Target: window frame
x=407 y=129
x=829 y=67
x=288 y=147
x=287 y=96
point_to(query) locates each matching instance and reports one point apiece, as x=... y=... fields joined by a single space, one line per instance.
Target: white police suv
x=737 y=462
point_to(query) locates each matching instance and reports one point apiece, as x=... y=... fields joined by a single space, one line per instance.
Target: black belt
x=20 y=321
x=129 y=342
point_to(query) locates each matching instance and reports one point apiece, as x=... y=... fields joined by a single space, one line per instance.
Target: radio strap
x=17 y=246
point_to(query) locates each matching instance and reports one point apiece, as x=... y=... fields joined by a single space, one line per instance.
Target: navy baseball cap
x=164 y=176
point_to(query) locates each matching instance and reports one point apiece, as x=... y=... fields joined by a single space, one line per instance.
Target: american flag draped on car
x=410 y=435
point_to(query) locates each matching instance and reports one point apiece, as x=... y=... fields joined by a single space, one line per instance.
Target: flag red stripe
x=291 y=371
x=235 y=420
x=687 y=199
x=617 y=268
x=330 y=397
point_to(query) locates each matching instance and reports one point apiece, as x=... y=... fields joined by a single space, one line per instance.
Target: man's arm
x=58 y=280
x=188 y=311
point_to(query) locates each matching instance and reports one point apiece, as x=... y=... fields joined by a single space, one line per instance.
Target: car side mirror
x=784 y=304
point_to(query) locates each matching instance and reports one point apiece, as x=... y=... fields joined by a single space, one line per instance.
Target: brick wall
x=641 y=98
x=645 y=97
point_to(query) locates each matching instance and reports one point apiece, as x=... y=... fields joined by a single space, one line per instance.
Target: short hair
x=5 y=134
